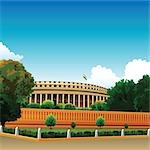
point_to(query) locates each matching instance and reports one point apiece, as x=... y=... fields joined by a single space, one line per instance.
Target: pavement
x=11 y=142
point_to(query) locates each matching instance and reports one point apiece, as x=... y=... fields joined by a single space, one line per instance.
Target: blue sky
x=62 y=40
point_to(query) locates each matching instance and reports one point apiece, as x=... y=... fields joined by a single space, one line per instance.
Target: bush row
x=56 y=133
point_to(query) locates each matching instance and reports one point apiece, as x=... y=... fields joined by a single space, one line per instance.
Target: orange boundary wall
x=32 y=117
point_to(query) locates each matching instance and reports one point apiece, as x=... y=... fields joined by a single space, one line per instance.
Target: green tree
x=48 y=104
x=100 y=121
x=121 y=96
x=101 y=105
x=15 y=87
x=142 y=96
x=50 y=121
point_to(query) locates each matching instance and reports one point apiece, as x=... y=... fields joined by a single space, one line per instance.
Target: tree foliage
x=142 y=97
x=128 y=96
x=15 y=87
x=121 y=96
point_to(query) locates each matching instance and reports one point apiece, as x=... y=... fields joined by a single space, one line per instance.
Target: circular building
x=79 y=94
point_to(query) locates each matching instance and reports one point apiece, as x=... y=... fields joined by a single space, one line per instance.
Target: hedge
x=62 y=133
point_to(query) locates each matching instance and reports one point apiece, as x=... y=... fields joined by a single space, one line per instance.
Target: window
x=45 y=85
x=49 y=85
x=59 y=85
x=77 y=86
x=54 y=81
x=64 y=85
x=73 y=86
x=55 y=85
x=40 y=85
x=68 y=86
x=44 y=81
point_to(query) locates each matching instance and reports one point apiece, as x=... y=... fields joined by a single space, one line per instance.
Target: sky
x=106 y=40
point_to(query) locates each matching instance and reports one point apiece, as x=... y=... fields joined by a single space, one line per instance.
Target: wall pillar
x=63 y=96
x=45 y=96
x=79 y=101
x=74 y=99
x=30 y=99
x=83 y=101
x=69 y=98
x=57 y=97
x=88 y=101
x=51 y=96
x=40 y=99
x=92 y=99
x=35 y=98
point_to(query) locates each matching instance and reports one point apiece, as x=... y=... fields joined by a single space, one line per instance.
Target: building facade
x=78 y=94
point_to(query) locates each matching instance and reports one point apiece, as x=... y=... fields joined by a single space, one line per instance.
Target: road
x=9 y=143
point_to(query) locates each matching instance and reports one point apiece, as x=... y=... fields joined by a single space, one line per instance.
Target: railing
x=86 y=118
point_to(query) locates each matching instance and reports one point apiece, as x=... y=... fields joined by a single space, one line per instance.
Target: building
x=79 y=94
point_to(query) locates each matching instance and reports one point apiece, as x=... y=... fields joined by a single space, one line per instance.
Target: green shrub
x=47 y=104
x=33 y=105
x=50 y=120
x=69 y=107
x=100 y=121
x=60 y=106
x=126 y=126
x=73 y=124
x=54 y=134
x=28 y=132
x=9 y=130
x=135 y=132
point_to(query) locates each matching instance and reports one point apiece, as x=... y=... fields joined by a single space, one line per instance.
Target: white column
x=30 y=99
x=92 y=99
x=45 y=96
x=79 y=101
x=69 y=98
x=83 y=101
x=57 y=97
x=40 y=99
x=63 y=98
x=35 y=98
x=88 y=101
x=51 y=96
x=96 y=98
x=74 y=99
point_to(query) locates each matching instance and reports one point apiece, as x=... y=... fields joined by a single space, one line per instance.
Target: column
x=79 y=101
x=92 y=99
x=51 y=96
x=69 y=98
x=35 y=98
x=74 y=99
x=30 y=99
x=63 y=98
x=83 y=101
x=40 y=99
x=45 y=96
x=88 y=100
x=96 y=98
x=57 y=97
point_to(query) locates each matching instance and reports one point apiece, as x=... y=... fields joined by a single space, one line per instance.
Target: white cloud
x=6 y=54
x=105 y=77
x=136 y=68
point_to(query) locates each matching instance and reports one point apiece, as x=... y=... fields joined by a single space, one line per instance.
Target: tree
x=142 y=96
x=100 y=106
x=47 y=104
x=15 y=87
x=100 y=121
x=50 y=121
x=121 y=96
